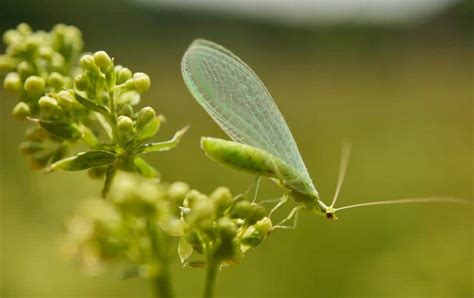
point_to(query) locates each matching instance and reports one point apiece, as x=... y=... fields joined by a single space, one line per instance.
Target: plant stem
x=113 y=115
x=109 y=177
x=160 y=243
x=162 y=283
x=211 y=275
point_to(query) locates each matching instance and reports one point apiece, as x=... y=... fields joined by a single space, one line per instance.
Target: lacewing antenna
x=408 y=201
x=345 y=154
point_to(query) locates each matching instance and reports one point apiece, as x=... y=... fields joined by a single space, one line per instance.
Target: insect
x=238 y=101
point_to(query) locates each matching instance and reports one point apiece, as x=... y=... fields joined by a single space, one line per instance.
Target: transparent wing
x=239 y=102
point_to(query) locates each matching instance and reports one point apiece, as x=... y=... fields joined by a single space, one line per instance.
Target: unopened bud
x=25 y=69
x=226 y=228
x=11 y=36
x=177 y=192
x=34 y=85
x=141 y=82
x=123 y=75
x=221 y=198
x=46 y=53
x=126 y=110
x=7 y=63
x=56 y=80
x=21 y=110
x=87 y=62
x=201 y=215
x=57 y=61
x=48 y=104
x=24 y=28
x=125 y=126
x=12 y=82
x=65 y=99
x=82 y=82
x=241 y=209
x=192 y=198
x=145 y=115
x=102 y=60
x=256 y=213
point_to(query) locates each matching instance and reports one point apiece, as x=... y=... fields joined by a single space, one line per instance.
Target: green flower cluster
x=221 y=227
x=74 y=98
x=139 y=217
x=38 y=63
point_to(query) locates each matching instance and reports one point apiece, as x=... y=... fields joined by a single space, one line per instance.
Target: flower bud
x=221 y=198
x=145 y=115
x=11 y=37
x=46 y=53
x=141 y=82
x=192 y=197
x=256 y=213
x=32 y=43
x=65 y=99
x=102 y=60
x=177 y=192
x=226 y=228
x=34 y=85
x=126 y=110
x=201 y=215
x=125 y=126
x=82 y=82
x=57 y=61
x=125 y=123
x=24 y=28
x=21 y=110
x=240 y=209
x=56 y=80
x=7 y=63
x=123 y=75
x=87 y=62
x=12 y=82
x=136 y=195
x=226 y=248
x=25 y=69
x=48 y=104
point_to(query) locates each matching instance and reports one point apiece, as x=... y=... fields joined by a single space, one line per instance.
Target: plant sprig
x=75 y=100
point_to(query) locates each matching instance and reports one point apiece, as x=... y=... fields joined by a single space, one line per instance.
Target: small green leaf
x=105 y=125
x=130 y=97
x=89 y=137
x=185 y=249
x=84 y=161
x=151 y=128
x=62 y=130
x=145 y=169
x=91 y=104
x=164 y=146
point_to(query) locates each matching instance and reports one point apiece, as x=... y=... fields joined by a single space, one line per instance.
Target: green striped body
x=258 y=162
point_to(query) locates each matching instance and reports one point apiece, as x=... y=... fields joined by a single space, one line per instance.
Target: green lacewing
x=238 y=101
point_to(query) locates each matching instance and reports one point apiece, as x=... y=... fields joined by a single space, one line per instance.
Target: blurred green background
x=401 y=92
